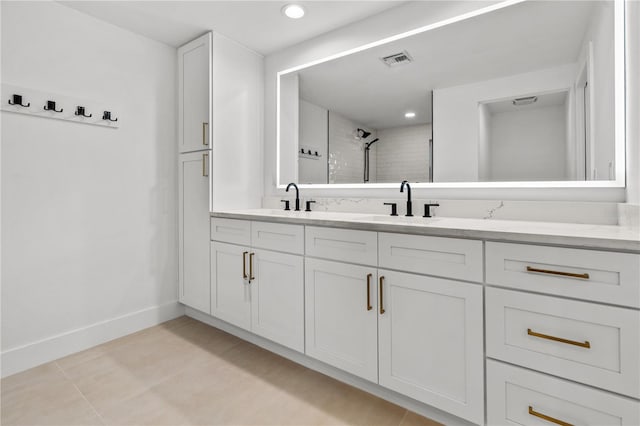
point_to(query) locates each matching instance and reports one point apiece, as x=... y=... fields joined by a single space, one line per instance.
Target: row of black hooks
x=51 y=106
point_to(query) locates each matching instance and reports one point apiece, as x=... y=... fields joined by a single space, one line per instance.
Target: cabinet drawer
x=516 y=396
x=585 y=342
x=278 y=236
x=231 y=231
x=445 y=257
x=346 y=245
x=583 y=274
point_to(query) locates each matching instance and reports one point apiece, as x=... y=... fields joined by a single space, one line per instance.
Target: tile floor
x=184 y=372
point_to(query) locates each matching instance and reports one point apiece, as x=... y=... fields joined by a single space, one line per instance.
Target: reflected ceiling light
x=410 y=114
x=293 y=11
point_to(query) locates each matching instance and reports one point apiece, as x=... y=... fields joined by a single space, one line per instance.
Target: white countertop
x=563 y=234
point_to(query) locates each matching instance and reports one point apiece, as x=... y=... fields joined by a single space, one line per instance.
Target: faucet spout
x=297 y=195
x=409 y=204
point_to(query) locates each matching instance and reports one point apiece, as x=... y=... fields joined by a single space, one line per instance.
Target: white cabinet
x=230 y=292
x=430 y=341
x=194 y=100
x=516 y=396
x=341 y=316
x=277 y=294
x=193 y=217
x=256 y=289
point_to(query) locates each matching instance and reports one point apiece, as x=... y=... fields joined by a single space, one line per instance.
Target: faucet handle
x=308 y=209
x=286 y=204
x=427 y=212
x=394 y=208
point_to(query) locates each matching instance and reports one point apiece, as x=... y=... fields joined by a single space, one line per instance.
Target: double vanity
x=471 y=317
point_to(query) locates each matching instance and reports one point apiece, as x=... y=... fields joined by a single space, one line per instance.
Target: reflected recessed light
x=293 y=11
x=410 y=115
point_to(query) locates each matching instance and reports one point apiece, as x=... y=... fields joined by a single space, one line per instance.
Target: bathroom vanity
x=475 y=318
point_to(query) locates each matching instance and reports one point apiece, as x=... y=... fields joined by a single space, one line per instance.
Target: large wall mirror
x=527 y=93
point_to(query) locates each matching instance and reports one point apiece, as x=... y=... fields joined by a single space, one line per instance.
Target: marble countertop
x=564 y=234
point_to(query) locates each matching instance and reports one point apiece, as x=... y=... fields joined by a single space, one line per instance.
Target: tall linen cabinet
x=220 y=85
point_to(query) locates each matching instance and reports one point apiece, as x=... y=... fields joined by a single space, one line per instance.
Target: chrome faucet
x=297 y=195
x=402 y=185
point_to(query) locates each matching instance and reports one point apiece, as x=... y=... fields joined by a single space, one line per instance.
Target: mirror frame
x=619 y=108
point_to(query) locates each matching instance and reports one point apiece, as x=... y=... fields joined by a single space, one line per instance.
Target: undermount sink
x=414 y=220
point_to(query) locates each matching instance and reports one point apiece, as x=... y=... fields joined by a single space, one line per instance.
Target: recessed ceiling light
x=293 y=11
x=409 y=114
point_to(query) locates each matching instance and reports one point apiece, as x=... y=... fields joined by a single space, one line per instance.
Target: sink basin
x=413 y=220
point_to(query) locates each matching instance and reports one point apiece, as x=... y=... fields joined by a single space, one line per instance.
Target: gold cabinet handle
x=369 y=307
x=584 y=344
x=205 y=160
x=382 y=311
x=564 y=274
x=547 y=418
x=204 y=134
x=251 y=277
x=244 y=265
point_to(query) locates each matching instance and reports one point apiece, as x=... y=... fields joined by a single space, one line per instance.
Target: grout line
x=64 y=373
x=406 y=413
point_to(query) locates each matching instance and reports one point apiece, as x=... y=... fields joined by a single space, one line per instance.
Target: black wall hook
x=107 y=116
x=80 y=111
x=17 y=100
x=51 y=106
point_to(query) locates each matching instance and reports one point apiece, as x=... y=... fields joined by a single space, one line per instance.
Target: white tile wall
x=346 y=154
x=403 y=153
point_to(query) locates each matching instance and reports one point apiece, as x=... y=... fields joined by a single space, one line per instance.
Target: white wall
x=89 y=214
x=457 y=121
x=600 y=33
x=403 y=18
x=403 y=153
x=314 y=122
x=528 y=144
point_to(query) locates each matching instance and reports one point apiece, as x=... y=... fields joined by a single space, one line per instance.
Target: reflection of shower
x=367 y=146
x=362 y=134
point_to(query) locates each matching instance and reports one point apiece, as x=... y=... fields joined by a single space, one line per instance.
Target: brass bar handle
x=251 y=277
x=547 y=418
x=584 y=344
x=244 y=265
x=205 y=160
x=564 y=274
x=204 y=134
x=369 y=307
x=382 y=311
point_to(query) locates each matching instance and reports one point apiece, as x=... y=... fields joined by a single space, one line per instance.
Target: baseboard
x=33 y=354
x=340 y=375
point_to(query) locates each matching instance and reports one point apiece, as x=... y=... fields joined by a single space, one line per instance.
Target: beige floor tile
x=44 y=396
x=184 y=372
x=413 y=419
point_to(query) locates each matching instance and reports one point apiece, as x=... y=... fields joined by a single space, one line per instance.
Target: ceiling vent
x=397 y=59
x=524 y=101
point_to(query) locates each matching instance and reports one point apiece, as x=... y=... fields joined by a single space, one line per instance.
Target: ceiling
x=258 y=25
x=521 y=38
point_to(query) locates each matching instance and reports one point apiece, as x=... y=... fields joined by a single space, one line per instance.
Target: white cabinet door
x=194 y=231
x=340 y=316
x=430 y=339
x=230 y=288
x=194 y=82
x=277 y=297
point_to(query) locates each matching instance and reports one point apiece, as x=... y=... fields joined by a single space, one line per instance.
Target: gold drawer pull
x=205 y=160
x=244 y=264
x=564 y=274
x=584 y=344
x=369 y=307
x=382 y=311
x=204 y=133
x=547 y=418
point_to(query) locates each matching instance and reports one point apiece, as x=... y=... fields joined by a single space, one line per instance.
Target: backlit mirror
x=529 y=92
